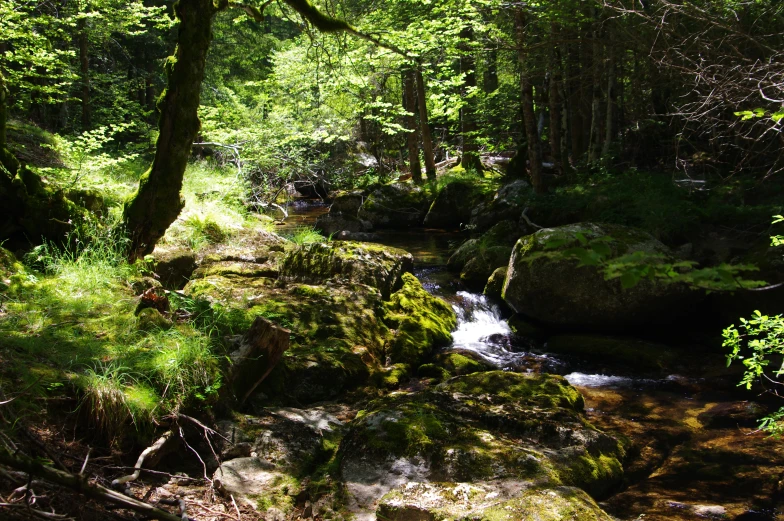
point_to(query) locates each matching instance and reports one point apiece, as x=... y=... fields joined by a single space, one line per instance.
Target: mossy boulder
x=495 y=283
x=33 y=210
x=508 y=203
x=150 y=319
x=397 y=205
x=477 y=259
x=9 y=268
x=452 y=205
x=458 y=364
x=330 y=224
x=378 y=266
x=492 y=426
x=251 y=253
x=632 y=352
x=348 y=203
x=89 y=199
x=487 y=501
x=421 y=322
x=545 y=284
x=174 y=265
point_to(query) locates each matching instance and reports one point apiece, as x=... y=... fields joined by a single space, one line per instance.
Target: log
x=259 y=352
x=79 y=484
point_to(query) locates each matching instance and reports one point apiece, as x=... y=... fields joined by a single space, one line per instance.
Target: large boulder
x=491 y=426
x=378 y=266
x=507 y=204
x=397 y=205
x=348 y=203
x=545 y=284
x=452 y=206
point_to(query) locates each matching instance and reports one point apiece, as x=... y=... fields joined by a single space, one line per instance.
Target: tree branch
x=77 y=483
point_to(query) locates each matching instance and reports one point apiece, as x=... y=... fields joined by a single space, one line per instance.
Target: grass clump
x=72 y=319
x=306 y=235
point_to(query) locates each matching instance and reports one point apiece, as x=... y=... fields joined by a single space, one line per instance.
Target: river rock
x=259 y=351
x=436 y=501
x=452 y=206
x=348 y=203
x=330 y=224
x=173 y=265
x=507 y=204
x=421 y=323
x=552 y=288
x=490 y=426
x=397 y=205
x=378 y=266
x=495 y=283
x=477 y=259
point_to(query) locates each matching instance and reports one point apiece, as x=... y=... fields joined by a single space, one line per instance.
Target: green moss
x=392 y=377
x=541 y=390
x=546 y=504
x=433 y=371
x=458 y=364
x=598 y=475
x=421 y=321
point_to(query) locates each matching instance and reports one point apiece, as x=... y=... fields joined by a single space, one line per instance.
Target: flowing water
x=695 y=453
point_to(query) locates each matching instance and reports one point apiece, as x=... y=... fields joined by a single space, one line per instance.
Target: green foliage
x=754 y=343
x=306 y=235
x=635 y=266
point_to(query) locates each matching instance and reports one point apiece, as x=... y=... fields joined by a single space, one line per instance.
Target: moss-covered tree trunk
x=468 y=123
x=158 y=202
x=7 y=159
x=529 y=117
x=409 y=104
x=424 y=124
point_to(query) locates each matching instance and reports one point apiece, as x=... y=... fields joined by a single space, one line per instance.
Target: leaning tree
x=157 y=202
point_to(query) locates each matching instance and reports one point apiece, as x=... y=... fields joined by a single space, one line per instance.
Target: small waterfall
x=481 y=329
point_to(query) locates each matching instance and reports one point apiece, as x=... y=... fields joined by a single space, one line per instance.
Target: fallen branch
x=151 y=450
x=526 y=219
x=77 y=483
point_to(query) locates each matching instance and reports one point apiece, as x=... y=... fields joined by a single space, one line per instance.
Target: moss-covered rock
x=397 y=205
x=495 y=283
x=477 y=259
x=9 y=268
x=458 y=364
x=34 y=211
x=330 y=224
x=495 y=426
x=378 y=266
x=508 y=203
x=421 y=322
x=150 y=319
x=348 y=202
x=487 y=502
x=523 y=328
x=173 y=265
x=545 y=284
x=452 y=205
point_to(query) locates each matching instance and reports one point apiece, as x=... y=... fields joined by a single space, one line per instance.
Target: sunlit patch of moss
x=421 y=322
x=542 y=390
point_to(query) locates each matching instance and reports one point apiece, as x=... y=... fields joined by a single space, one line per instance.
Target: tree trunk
x=611 y=96
x=84 y=70
x=595 y=147
x=470 y=159
x=157 y=203
x=412 y=139
x=555 y=104
x=7 y=160
x=427 y=139
x=529 y=117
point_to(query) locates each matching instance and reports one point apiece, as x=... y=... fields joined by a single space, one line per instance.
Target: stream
x=695 y=452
